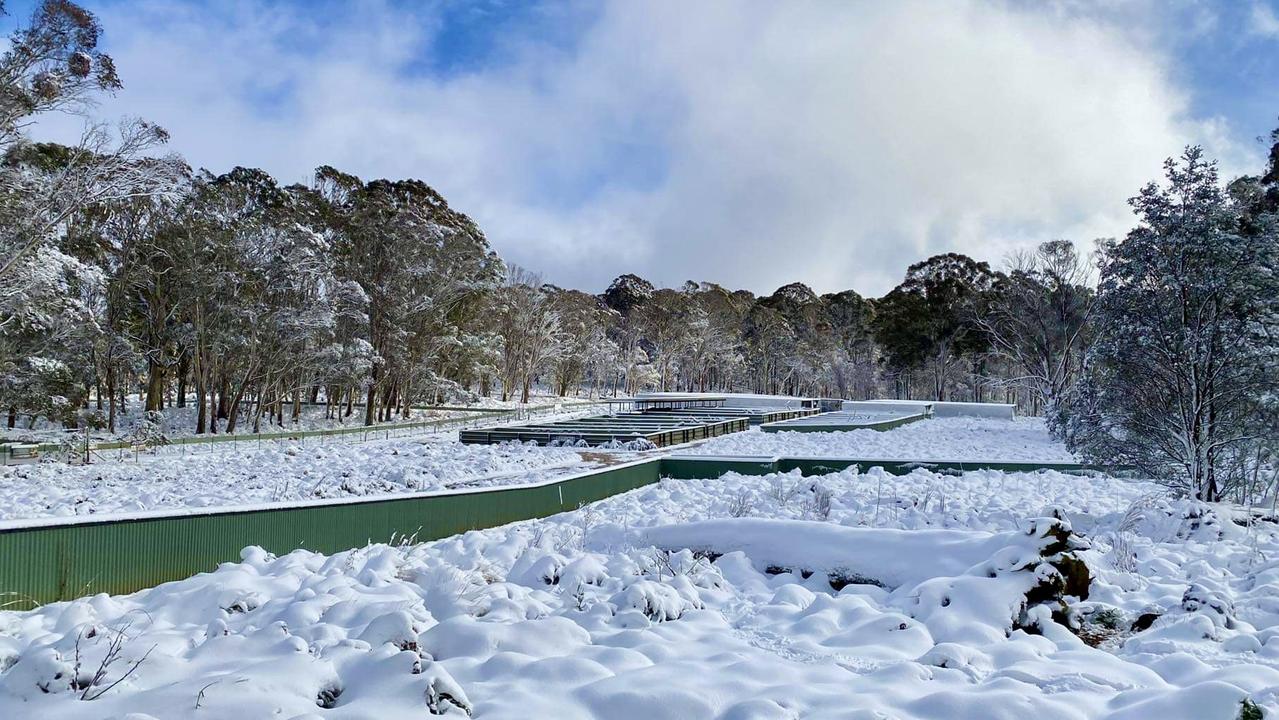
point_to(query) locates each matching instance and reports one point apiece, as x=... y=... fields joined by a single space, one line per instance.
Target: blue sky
x=1231 y=66
x=750 y=143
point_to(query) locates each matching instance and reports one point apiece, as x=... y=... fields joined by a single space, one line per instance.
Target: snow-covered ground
x=851 y=595
x=180 y=421
x=842 y=596
x=275 y=472
x=958 y=438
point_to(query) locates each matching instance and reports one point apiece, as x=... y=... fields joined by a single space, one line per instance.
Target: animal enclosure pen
x=659 y=429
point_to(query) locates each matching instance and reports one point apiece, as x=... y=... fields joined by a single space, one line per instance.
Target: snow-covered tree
x=420 y=265
x=529 y=325
x=1188 y=335
x=929 y=320
x=48 y=288
x=1037 y=318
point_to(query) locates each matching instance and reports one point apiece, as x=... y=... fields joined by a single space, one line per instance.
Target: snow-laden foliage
x=1186 y=361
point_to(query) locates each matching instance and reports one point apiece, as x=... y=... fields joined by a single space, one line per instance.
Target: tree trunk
x=110 y=400
x=224 y=389
x=97 y=384
x=200 y=417
x=370 y=404
x=213 y=411
x=234 y=413
x=184 y=368
x=155 y=386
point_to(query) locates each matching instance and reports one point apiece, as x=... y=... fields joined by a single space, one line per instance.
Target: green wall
x=48 y=561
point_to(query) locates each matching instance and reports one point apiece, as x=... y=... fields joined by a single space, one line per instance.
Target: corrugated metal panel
x=46 y=564
x=692 y=467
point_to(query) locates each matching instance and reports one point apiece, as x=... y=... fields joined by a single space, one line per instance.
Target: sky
x=748 y=143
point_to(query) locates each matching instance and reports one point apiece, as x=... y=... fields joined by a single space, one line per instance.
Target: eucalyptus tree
x=806 y=360
x=584 y=321
x=627 y=295
x=418 y=264
x=1037 y=317
x=928 y=321
x=47 y=292
x=136 y=321
x=529 y=325
x=53 y=64
x=664 y=326
x=851 y=353
x=714 y=351
x=769 y=340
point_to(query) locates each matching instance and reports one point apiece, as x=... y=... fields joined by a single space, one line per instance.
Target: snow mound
x=739 y=597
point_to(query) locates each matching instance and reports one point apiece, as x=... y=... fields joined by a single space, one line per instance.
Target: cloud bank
x=747 y=143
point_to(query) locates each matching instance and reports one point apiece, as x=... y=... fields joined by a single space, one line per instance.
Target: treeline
x=125 y=272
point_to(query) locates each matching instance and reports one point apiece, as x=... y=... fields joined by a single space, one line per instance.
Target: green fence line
x=44 y=561
x=61 y=562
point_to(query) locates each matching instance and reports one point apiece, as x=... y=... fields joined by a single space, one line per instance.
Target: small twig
x=121 y=679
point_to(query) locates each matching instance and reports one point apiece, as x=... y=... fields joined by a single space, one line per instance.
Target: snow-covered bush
x=148 y=434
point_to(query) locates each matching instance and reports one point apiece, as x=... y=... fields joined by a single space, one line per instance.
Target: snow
x=180 y=422
x=848 y=595
x=277 y=472
x=885 y=556
x=957 y=438
x=608 y=612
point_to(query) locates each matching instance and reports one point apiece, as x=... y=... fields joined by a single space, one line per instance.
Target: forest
x=127 y=276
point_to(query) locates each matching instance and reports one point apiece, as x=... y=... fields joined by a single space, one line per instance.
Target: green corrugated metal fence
x=49 y=560
x=42 y=564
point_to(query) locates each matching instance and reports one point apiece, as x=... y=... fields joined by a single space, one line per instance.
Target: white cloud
x=1264 y=21
x=748 y=143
